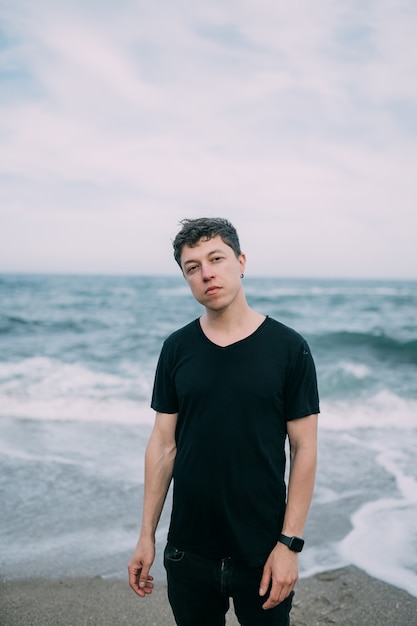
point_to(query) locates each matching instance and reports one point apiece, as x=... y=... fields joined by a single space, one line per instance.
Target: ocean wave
x=380 y=411
x=47 y=376
x=77 y=410
x=271 y=289
x=45 y=388
x=14 y=324
x=180 y=291
x=389 y=523
x=382 y=346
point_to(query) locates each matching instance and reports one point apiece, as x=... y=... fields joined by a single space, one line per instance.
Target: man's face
x=213 y=271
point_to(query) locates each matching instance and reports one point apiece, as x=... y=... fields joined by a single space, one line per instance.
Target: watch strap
x=293 y=543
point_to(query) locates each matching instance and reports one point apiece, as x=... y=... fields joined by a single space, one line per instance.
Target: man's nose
x=206 y=271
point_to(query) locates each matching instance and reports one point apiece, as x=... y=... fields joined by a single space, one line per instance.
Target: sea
x=77 y=360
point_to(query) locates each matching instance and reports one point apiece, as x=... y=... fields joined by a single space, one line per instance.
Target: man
x=229 y=388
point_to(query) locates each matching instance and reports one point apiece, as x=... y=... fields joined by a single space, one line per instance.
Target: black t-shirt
x=233 y=404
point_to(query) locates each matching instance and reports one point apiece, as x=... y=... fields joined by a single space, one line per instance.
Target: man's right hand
x=139 y=566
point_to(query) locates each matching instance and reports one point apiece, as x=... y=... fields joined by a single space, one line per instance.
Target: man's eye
x=191 y=269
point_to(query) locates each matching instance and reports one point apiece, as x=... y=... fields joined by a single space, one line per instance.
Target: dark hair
x=205 y=228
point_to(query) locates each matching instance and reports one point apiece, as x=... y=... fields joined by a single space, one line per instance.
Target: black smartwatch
x=293 y=543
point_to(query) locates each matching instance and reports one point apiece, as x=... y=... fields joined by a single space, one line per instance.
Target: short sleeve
x=164 y=396
x=301 y=396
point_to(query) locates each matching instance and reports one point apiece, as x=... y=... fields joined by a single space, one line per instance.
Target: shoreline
x=346 y=596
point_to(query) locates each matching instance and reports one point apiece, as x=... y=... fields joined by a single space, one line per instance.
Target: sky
x=295 y=120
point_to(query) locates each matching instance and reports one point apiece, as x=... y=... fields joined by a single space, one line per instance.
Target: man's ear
x=242 y=262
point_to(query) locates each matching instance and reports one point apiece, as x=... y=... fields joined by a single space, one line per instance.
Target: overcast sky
x=294 y=119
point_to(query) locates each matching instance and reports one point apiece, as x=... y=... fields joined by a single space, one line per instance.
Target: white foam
x=322 y=558
x=46 y=377
x=384 y=409
x=47 y=389
x=271 y=290
x=84 y=410
x=391 y=461
x=357 y=370
x=180 y=291
x=324 y=495
x=383 y=542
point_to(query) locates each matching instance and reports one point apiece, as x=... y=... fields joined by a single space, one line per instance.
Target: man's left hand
x=279 y=576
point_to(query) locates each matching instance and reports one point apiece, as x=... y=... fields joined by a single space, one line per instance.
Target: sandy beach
x=344 y=597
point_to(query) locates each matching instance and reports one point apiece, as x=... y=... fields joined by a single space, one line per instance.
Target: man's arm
x=281 y=568
x=159 y=464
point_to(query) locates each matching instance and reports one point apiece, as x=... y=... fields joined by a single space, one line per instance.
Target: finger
x=149 y=585
x=142 y=591
x=143 y=576
x=134 y=573
x=265 y=581
x=277 y=594
x=138 y=582
x=145 y=579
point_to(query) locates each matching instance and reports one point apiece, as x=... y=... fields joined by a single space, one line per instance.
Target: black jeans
x=199 y=590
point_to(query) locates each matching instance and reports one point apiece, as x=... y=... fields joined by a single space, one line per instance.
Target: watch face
x=296 y=544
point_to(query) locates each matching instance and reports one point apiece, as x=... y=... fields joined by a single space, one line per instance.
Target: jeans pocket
x=172 y=553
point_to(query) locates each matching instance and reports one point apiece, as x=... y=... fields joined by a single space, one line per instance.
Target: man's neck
x=226 y=327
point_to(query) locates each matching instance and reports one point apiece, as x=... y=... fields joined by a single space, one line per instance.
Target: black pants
x=199 y=591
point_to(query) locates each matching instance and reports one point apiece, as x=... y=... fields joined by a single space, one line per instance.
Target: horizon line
x=131 y=274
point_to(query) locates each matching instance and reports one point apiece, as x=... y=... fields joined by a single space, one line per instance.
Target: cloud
x=290 y=118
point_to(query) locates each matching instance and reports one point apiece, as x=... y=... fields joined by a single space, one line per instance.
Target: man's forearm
x=280 y=572
x=159 y=464
x=300 y=488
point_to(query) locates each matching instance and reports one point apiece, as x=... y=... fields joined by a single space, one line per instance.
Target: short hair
x=205 y=228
